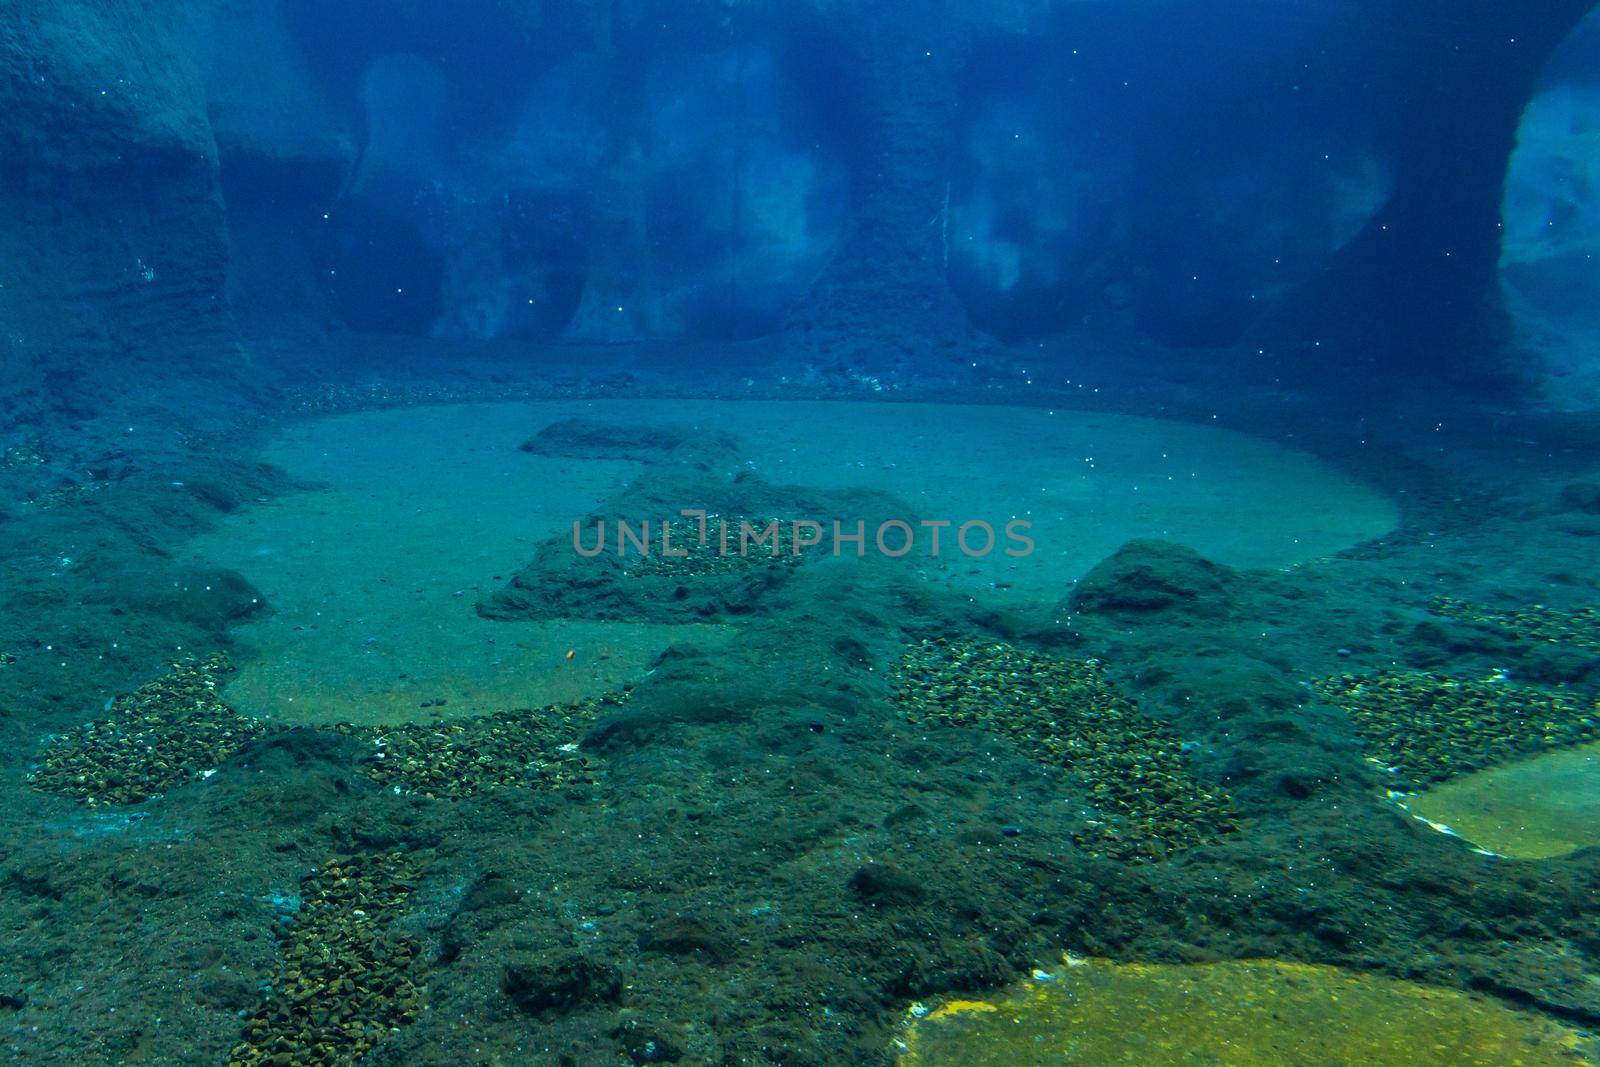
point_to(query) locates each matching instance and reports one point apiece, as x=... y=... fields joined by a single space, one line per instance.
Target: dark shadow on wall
x=1177 y=188
x=1550 y=243
x=1416 y=297
x=591 y=172
x=1314 y=183
x=539 y=198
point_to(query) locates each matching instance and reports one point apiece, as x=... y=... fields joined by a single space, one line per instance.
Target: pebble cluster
x=528 y=748
x=1426 y=728
x=714 y=556
x=1580 y=628
x=1067 y=713
x=64 y=494
x=344 y=985
x=172 y=730
x=24 y=454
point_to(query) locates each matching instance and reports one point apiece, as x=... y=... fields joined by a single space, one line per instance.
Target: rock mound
x=1147 y=577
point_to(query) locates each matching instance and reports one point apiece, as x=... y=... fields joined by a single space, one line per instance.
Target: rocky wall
x=1322 y=186
x=112 y=243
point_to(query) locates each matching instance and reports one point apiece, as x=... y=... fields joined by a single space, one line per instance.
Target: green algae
x=1509 y=768
x=177 y=729
x=725 y=545
x=28 y=453
x=1255 y=1013
x=529 y=748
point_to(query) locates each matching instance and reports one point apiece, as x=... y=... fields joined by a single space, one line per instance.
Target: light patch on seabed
x=1253 y=1013
x=1539 y=808
x=373 y=576
x=1089 y=482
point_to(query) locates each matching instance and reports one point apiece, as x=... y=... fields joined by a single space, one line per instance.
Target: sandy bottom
x=1540 y=808
x=374 y=577
x=421 y=511
x=1088 y=482
x=1249 y=1014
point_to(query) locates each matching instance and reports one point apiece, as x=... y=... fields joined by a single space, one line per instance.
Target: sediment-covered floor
x=762 y=809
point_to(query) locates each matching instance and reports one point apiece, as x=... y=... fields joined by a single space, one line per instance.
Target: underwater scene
x=800 y=532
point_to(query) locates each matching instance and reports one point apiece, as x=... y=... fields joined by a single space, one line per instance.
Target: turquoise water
x=739 y=533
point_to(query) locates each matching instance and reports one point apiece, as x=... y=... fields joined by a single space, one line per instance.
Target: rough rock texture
x=261 y=98
x=127 y=130
x=537 y=985
x=284 y=149
x=1551 y=217
x=891 y=267
x=1583 y=494
x=1147 y=576
x=112 y=243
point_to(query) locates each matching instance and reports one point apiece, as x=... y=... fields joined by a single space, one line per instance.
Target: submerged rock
x=1071 y=714
x=1583 y=495
x=1147 y=576
x=541 y=984
x=593 y=439
x=1428 y=727
x=684 y=935
x=879 y=883
x=208 y=598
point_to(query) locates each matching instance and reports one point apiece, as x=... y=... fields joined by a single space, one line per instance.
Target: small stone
x=879 y=883
x=538 y=985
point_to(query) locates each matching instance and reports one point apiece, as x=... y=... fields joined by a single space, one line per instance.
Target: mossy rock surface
x=1148 y=576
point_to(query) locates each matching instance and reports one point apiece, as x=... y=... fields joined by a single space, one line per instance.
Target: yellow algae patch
x=1536 y=809
x=956 y=1007
x=1255 y=1013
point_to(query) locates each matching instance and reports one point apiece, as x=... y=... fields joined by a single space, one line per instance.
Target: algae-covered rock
x=344 y=985
x=594 y=439
x=1132 y=768
x=564 y=983
x=686 y=935
x=879 y=883
x=1148 y=576
x=208 y=598
x=1583 y=495
x=1429 y=727
x=170 y=731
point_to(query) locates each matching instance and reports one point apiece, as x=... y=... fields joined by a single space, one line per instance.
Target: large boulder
x=556 y=983
x=1151 y=578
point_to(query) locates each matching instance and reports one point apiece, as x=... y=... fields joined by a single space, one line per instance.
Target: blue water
x=644 y=532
